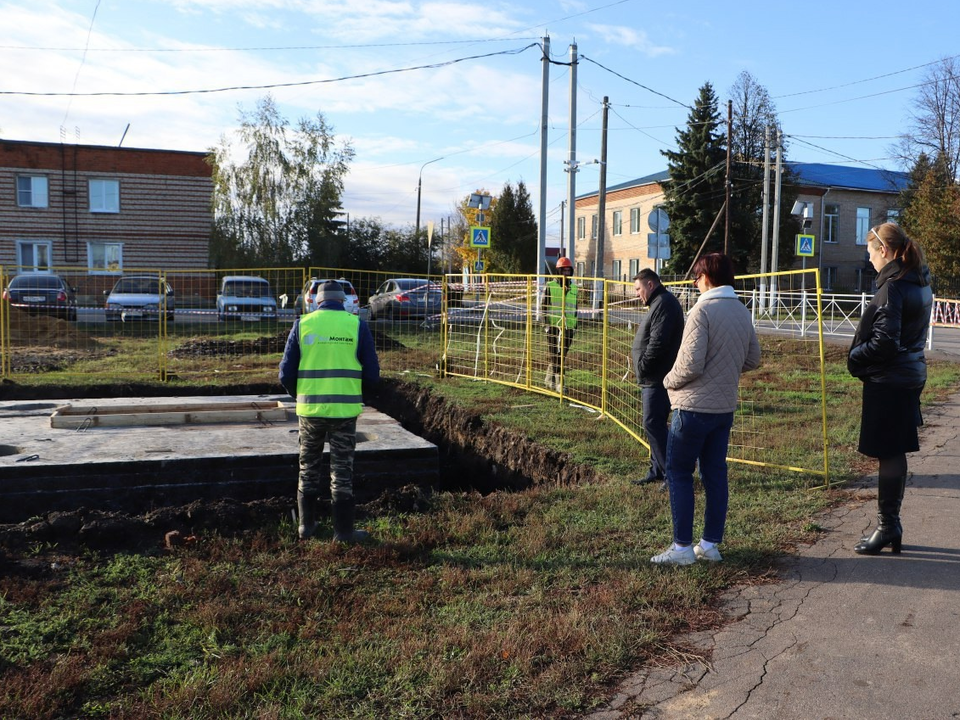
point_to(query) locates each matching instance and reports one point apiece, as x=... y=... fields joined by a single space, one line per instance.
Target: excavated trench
x=473 y=456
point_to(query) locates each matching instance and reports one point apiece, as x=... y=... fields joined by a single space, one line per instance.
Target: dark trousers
x=342 y=436
x=559 y=344
x=656 y=409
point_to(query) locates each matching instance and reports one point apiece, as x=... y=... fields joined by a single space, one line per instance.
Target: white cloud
x=628 y=37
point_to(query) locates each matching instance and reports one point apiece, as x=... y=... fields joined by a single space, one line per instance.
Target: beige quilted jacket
x=719 y=343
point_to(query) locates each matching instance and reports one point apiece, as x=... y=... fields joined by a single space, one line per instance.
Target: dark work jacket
x=657 y=341
x=888 y=346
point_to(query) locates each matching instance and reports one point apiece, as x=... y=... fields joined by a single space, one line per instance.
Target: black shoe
x=647 y=480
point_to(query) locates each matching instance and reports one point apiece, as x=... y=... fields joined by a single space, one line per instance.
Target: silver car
x=140 y=297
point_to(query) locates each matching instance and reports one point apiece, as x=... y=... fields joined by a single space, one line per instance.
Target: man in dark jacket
x=328 y=360
x=654 y=351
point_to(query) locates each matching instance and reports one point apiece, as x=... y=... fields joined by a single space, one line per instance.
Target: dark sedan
x=42 y=294
x=406 y=298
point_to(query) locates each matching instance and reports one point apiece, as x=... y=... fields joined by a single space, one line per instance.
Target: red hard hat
x=564 y=262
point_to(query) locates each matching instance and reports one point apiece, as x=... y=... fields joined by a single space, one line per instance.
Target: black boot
x=307 y=507
x=343 y=531
x=889 y=531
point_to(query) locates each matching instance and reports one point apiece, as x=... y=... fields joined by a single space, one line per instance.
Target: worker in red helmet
x=560 y=318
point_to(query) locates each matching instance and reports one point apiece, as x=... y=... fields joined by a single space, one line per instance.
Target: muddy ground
x=474 y=455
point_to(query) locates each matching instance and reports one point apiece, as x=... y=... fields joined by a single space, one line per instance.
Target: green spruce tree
x=513 y=232
x=694 y=193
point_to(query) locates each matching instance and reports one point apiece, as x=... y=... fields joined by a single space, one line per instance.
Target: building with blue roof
x=839 y=205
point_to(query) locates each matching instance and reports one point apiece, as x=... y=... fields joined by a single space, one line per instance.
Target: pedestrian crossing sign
x=479 y=236
x=805 y=245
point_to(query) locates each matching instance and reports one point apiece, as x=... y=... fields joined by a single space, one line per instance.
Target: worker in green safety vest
x=329 y=358
x=560 y=319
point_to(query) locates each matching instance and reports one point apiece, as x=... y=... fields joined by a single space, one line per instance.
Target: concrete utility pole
x=544 y=107
x=775 y=247
x=764 y=236
x=601 y=203
x=572 y=161
x=726 y=231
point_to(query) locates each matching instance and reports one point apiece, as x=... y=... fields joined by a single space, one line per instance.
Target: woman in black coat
x=887 y=355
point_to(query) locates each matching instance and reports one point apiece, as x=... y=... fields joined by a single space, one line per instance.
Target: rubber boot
x=889 y=531
x=343 y=531
x=550 y=380
x=307 y=507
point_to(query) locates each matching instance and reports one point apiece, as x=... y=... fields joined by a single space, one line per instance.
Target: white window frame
x=31 y=264
x=618 y=222
x=37 y=195
x=831 y=223
x=617 y=269
x=580 y=269
x=581 y=227
x=593 y=227
x=634 y=267
x=634 y=221
x=104 y=269
x=863 y=225
x=104 y=195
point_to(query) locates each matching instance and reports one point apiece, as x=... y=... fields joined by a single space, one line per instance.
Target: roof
x=810 y=175
x=850 y=178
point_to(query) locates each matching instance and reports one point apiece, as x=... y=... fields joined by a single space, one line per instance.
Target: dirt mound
x=43 y=331
x=213 y=347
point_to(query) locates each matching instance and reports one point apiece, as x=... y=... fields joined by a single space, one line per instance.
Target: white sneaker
x=674 y=555
x=711 y=555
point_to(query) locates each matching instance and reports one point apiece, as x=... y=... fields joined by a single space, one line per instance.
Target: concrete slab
x=44 y=468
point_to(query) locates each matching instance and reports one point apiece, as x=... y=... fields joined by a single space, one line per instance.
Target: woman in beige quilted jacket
x=719 y=343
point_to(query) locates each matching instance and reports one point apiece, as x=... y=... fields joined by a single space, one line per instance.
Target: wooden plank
x=77 y=416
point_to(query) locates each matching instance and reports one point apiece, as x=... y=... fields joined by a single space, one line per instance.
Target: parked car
x=404 y=298
x=247 y=298
x=140 y=297
x=307 y=300
x=42 y=294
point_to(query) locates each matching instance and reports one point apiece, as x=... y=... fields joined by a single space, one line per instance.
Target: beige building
x=839 y=203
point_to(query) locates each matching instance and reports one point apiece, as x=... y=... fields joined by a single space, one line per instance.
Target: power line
x=270 y=85
x=623 y=77
x=278 y=48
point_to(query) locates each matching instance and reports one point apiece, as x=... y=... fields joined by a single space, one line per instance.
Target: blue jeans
x=703 y=437
x=656 y=410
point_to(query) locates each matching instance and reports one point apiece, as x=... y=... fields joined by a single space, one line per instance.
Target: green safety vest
x=329 y=376
x=566 y=301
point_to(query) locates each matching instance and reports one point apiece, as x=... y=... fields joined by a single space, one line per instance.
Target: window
x=831 y=224
x=104 y=196
x=581 y=227
x=863 y=225
x=634 y=221
x=34 y=255
x=104 y=257
x=593 y=226
x=618 y=222
x=617 y=270
x=634 y=267
x=863 y=283
x=580 y=268
x=893 y=215
x=829 y=277
x=32 y=191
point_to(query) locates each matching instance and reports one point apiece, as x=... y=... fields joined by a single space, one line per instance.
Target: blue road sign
x=805 y=245
x=478 y=266
x=479 y=236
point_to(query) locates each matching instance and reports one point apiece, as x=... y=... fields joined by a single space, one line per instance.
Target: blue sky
x=843 y=75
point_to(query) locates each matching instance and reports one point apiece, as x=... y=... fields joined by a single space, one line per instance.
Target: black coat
x=657 y=341
x=888 y=345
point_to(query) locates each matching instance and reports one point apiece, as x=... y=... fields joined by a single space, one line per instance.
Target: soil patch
x=43 y=332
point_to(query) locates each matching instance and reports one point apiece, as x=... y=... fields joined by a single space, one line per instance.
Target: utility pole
x=764 y=236
x=544 y=107
x=601 y=204
x=572 y=161
x=775 y=246
x=562 y=204
x=726 y=231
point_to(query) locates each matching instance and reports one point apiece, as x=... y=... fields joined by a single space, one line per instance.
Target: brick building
x=95 y=212
x=844 y=202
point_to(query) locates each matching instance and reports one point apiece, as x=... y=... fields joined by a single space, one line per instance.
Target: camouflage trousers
x=342 y=435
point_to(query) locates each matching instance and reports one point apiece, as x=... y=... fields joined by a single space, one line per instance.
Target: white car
x=309 y=296
x=247 y=298
x=140 y=297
